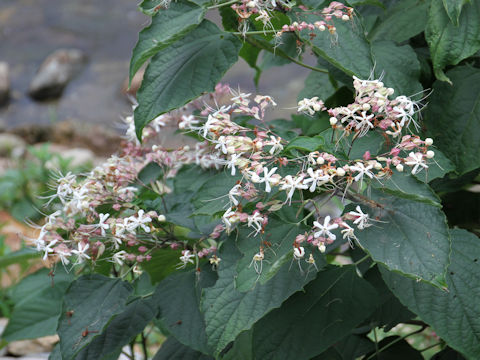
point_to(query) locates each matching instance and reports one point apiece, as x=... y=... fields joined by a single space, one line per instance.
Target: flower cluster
x=99 y=211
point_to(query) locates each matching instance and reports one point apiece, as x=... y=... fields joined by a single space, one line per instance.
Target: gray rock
x=56 y=72
x=4 y=83
x=10 y=143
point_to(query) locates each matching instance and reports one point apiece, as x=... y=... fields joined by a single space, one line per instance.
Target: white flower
x=235 y=191
x=417 y=161
x=361 y=218
x=290 y=183
x=101 y=224
x=226 y=218
x=316 y=178
x=81 y=252
x=362 y=170
x=298 y=253
x=185 y=259
x=348 y=233
x=256 y=221
x=233 y=162
x=276 y=144
x=363 y=123
x=268 y=179
x=324 y=230
x=119 y=257
x=221 y=144
x=258 y=258
x=48 y=248
x=188 y=122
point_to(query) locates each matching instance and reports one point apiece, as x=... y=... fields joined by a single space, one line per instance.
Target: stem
x=282 y=54
x=256 y=32
x=393 y=342
x=359 y=262
x=376 y=342
x=144 y=346
x=126 y=354
x=431 y=346
x=132 y=350
x=231 y=2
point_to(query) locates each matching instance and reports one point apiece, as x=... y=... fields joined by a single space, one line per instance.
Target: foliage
x=316 y=238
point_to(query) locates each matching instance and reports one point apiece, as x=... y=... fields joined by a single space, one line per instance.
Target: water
x=107 y=31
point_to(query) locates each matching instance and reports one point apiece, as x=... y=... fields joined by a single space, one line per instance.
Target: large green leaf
x=167 y=27
x=37 y=305
x=402 y=21
x=120 y=331
x=317 y=84
x=179 y=298
x=454 y=9
x=94 y=300
x=162 y=264
x=309 y=322
x=390 y=312
x=19 y=257
x=212 y=196
x=408 y=187
x=453 y=117
x=228 y=311
x=280 y=236
x=171 y=349
x=450 y=44
x=351 y=53
x=410 y=237
x=400 y=67
x=184 y=70
x=454 y=314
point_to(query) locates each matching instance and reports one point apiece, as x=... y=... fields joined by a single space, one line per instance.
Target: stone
x=25 y=347
x=56 y=71
x=10 y=143
x=77 y=157
x=4 y=83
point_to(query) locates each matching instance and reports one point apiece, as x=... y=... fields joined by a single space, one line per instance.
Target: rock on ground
x=56 y=71
x=4 y=83
x=10 y=143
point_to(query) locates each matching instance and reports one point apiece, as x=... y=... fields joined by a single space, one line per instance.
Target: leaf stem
x=231 y=2
x=144 y=346
x=361 y=260
x=392 y=342
x=431 y=346
x=282 y=54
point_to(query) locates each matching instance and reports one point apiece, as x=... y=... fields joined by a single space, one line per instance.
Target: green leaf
x=212 y=197
x=162 y=264
x=408 y=187
x=448 y=354
x=167 y=27
x=242 y=347
x=305 y=143
x=453 y=117
x=184 y=70
x=441 y=166
x=450 y=44
x=94 y=300
x=311 y=125
x=410 y=238
x=120 y=331
x=228 y=312
x=454 y=9
x=403 y=20
x=454 y=314
x=317 y=84
x=351 y=53
x=400 y=66
x=278 y=255
x=309 y=322
x=179 y=298
x=20 y=256
x=373 y=141
x=391 y=311
x=171 y=349
x=37 y=305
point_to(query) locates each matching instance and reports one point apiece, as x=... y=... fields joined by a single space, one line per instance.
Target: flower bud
x=399 y=167
x=340 y=172
x=345 y=18
x=333 y=120
x=366 y=107
x=162 y=218
x=430 y=154
x=428 y=141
